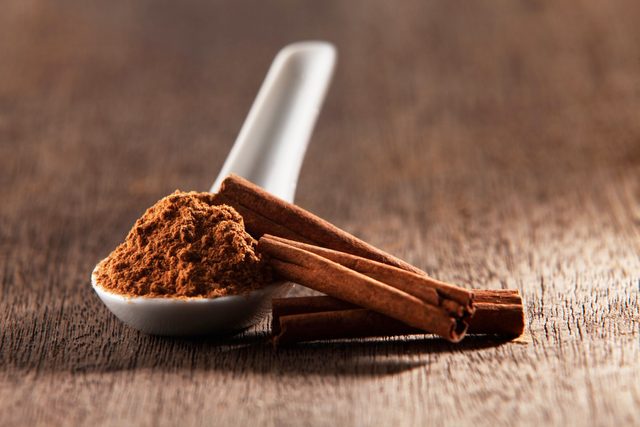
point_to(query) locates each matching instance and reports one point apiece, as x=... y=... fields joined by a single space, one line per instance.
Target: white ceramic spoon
x=268 y=151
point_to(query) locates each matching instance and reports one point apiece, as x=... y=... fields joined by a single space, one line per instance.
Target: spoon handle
x=272 y=142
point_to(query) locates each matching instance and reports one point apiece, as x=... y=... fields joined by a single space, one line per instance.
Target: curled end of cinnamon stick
x=458 y=330
x=456 y=309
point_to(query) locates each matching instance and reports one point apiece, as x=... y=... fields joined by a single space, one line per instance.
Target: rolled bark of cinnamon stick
x=264 y=213
x=331 y=278
x=453 y=298
x=498 y=311
x=324 y=318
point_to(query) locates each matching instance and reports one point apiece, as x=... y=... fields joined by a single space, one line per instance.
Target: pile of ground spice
x=185 y=246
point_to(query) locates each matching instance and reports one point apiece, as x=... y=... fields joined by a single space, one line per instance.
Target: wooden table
x=493 y=144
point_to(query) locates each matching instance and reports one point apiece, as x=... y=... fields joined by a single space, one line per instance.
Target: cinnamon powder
x=185 y=246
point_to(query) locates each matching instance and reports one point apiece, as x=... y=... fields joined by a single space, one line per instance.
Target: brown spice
x=363 y=289
x=497 y=312
x=334 y=264
x=265 y=213
x=185 y=246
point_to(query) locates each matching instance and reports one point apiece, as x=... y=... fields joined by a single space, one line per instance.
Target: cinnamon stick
x=265 y=213
x=332 y=247
x=331 y=278
x=498 y=312
x=455 y=299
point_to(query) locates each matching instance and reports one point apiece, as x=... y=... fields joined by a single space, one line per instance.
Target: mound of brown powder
x=185 y=246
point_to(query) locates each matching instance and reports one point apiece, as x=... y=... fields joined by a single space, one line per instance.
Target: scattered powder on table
x=185 y=246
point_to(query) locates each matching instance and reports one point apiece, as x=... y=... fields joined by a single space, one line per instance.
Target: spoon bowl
x=191 y=316
x=268 y=151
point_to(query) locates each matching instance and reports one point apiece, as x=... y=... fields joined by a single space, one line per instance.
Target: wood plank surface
x=493 y=144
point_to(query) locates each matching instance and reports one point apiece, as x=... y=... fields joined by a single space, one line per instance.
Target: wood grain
x=493 y=144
